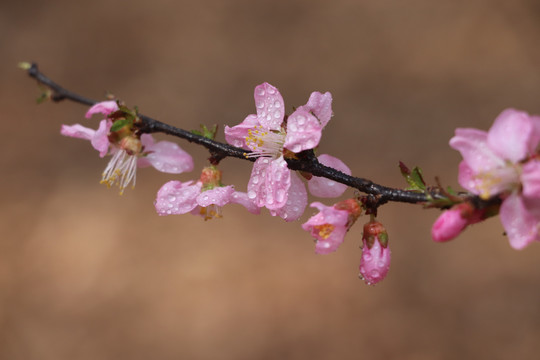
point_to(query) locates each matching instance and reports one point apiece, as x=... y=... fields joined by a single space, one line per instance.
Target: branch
x=305 y=161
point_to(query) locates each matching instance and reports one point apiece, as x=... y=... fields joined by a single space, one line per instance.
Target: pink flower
x=452 y=222
x=128 y=150
x=180 y=198
x=328 y=227
x=375 y=261
x=501 y=162
x=264 y=134
x=331 y=223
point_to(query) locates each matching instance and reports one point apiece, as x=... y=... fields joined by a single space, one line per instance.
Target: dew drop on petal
x=172 y=198
x=271 y=91
x=375 y=273
x=277 y=114
x=251 y=194
x=277 y=104
x=301 y=120
x=367 y=257
x=255 y=179
x=260 y=91
x=292 y=127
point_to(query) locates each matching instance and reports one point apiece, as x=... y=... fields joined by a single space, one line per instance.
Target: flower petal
x=303 y=131
x=530 y=178
x=511 y=135
x=236 y=135
x=77 y=131
x=177 y=198
x=473 y=146
x=220 y=196
x=320 y=105
x=104 y=107
x=100 y=140
x=270 y=106
x=164 y=156
x=326 y=188
x=296 y=201
x=520 y=225
x=269 y=182
x=243 y=199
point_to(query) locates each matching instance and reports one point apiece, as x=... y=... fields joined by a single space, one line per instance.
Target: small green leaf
x=413 y=178
x=209 y=133
x=451 y=191
x=118 y=124
x=42 y=98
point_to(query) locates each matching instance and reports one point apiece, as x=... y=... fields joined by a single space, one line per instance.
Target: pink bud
x=375 y=261
x=452 y=222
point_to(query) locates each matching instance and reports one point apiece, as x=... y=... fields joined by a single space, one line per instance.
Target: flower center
x=263 y=142
x=324 y=230
x=497 y=181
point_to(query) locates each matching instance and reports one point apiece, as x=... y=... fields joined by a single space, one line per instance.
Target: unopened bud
x=375 y=261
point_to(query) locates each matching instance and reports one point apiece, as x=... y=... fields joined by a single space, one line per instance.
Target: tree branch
x=305 y=161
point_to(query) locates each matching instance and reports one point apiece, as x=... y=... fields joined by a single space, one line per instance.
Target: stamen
x=121 y=171
x=264 y=142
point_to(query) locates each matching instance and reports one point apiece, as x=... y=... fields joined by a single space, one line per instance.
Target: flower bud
x=375 y=261
x=452 y=222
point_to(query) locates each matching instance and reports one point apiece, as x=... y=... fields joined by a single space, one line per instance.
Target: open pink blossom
x=452 y=222
x=176 y=197
x=500 y=162
x=129 y=151
x=375 y=261
x=267 y=138
x=328 y=227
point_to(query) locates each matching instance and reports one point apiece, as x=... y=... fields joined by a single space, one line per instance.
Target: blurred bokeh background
x=87 y=274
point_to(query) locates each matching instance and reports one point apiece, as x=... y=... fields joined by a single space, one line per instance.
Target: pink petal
x=270 y=106
x=375 y=263
x=296 y=201
x=177 y=198
x=243 y=199
x=320 y=105
x=510 y=135
x=449 y=225
x=530 y=178
x=303 y=131
x=327 y=188
x=269 y=182
x=327 y=215
x=473 y=146
x=77 y=131
x=165 y=156
x=520 y=225
x=220 y=196
x=236 y=135
x=100 y=140
x=104 y=107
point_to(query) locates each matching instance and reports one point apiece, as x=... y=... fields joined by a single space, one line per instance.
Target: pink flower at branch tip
x=267 y=137
x=128 y=150
x=503 y=162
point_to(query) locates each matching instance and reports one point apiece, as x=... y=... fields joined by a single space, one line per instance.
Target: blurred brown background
x=86 y=274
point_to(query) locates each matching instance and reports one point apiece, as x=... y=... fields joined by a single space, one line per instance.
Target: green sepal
x=118 y=124
x=414 y=178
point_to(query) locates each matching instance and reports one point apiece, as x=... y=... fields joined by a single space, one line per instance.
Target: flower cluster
x=503 y=163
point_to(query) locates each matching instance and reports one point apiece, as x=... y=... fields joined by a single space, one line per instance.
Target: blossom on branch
x=452 y=222
x=331 y=223
x=206 y=197
x=504 y=162
x=271 y=136
x=375 y=261
x=116 y=136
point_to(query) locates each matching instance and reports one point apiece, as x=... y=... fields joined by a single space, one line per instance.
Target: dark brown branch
x=306 y=162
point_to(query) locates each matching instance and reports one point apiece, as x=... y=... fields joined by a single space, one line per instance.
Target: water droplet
x=277 y=104
x=310 y=144
x=172 y=198
x=292 y=127
x=170 y=205
x=296 y=148
x=260 y=104
x=271 y=91
x=281 y=195
x=277 y=114
x=367 y=257
x=169 y=212
x=381 y=264
x=251 y=194
x=375 y=273
x=205 y=197
x=301 y=119
x=255 y=179
x=260 y=91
